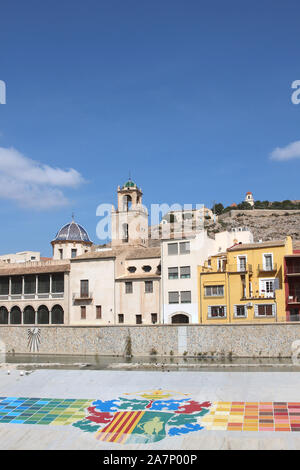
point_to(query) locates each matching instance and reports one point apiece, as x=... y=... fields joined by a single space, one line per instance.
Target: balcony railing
x=82 y=296
x=293 y=269
x=242 y=268
x=37 y=296
x=294 y=298
x=267 y=268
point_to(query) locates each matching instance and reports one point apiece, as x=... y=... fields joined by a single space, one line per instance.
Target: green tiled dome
x=129 y=184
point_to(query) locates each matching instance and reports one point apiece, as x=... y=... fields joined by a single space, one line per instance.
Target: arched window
x=3 y=316
x=57 y=315
x=180 y=318
x=29 y=315
x=43 y=315
x=127 y=202
x=15 y=316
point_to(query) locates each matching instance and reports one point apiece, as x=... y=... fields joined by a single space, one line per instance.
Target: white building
x=179 y=261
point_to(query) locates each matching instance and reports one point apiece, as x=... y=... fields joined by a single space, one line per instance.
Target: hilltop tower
x=249 y=198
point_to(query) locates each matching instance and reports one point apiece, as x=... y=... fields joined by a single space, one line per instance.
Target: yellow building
x=245 y=284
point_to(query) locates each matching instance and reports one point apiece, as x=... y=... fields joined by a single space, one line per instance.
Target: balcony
x=37 y=296
x=262 y=296
x=82 y=296
x=294 y=297
x=242 y=268
x=267 y=268
x=293 y=269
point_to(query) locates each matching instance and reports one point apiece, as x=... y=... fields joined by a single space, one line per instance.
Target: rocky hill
x=268 y=225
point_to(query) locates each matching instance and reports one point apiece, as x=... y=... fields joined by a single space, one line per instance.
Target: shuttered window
x=174 y=297
x=173 y=273
x=185 y=272
x=185 y=297
x=240 y=311
x=265 y=310
x=172 y=248
x=214 y=291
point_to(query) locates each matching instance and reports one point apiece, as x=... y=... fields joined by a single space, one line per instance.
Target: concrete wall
x=240 y=340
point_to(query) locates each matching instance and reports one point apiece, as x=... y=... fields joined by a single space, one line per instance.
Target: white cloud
x=32 y=184
x=289 y=152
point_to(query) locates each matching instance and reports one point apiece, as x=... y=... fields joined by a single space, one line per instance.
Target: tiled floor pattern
x=253 y=416
x=42 y=410
x=225 y=416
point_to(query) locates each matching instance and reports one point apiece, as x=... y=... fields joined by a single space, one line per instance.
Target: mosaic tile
x=151 y=416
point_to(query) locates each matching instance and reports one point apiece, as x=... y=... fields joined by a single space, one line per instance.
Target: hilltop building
x=249 y=198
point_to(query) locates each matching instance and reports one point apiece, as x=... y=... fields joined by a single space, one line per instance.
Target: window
x=131 y=269
x=84 y=288
x=43 y=315
x=173 y=297
x=217 y=311
x=16 y=285
x=173 y=273
x=29 y=284
x=57 y=315
x=43 y=284
x=83 y=312
x=153 y=318
x=4 y=285
x=240 y=311
x=180 y=318
x=61 y=253
x=214 y=291
x=185 y=272
x=185 y=297
x=268 y=262
x=184 y=248
x=138 y=319
x=242 y=263
x=149 y=287
x=3 y=316
x=173 y=249
x=29 y=316
x=15 y=316
x=128 y=287
x=58 y=283
x=98 y=312
x=146 y=268
x=125 y=236
x=73 y=253
x=121 y=318
x=266 y=287
x=265 y=310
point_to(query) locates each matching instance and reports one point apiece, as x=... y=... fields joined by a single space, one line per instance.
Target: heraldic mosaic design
x=147 y=417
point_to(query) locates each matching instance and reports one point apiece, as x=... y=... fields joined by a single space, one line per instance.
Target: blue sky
x=190 y=96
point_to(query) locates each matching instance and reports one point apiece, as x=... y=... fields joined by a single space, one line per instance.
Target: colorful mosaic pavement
x=150 y=416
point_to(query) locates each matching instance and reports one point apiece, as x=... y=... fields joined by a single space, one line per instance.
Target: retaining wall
x=239 y=340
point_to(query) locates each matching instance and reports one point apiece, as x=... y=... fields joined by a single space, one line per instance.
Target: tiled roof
x=249 y=246
x=10 y=269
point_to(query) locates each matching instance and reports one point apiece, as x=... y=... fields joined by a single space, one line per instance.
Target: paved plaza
x=70 y=409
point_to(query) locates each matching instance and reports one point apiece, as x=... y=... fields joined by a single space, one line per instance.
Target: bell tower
x=129 y=222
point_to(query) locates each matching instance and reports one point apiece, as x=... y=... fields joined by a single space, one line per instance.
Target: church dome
x=72 y=232
x=129 y=184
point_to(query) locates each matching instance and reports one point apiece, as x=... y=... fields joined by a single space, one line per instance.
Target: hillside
x=264 y=226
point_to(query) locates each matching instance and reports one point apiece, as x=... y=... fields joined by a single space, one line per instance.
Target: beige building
x=21 y=257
